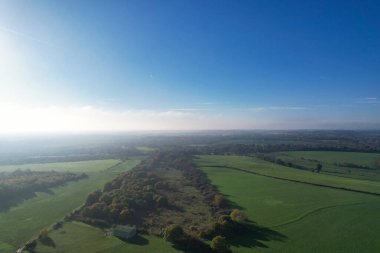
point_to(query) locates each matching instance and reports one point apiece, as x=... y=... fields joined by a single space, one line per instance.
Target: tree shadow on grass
x=7 y=203
x=231 y=204
x=47 y=241
x=255 y=236
x=193 y=245
x=137 y=240
x=251 y=235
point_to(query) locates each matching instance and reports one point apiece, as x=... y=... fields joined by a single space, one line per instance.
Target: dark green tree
x=319 y=167
x=174 y=234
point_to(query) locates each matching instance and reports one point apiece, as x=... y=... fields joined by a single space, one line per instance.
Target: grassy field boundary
x=308 y=213
x=293 y=180
x=114 y=166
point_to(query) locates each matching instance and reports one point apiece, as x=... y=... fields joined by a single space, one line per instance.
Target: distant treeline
x=247 y=149
x=204 y=142
x=23 y=184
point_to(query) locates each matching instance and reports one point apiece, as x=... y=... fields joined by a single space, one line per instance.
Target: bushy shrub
x=219 y=244
x=174 y=234
x=238 y=216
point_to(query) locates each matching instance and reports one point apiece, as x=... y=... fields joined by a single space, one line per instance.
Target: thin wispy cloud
x=207 y=103
x=26 y=36
x=277 y=108
x=189 y=109
x=368 y=100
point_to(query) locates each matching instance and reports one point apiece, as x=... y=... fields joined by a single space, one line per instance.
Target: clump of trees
x=180 y=239
x=126 y=199
x=226 y=225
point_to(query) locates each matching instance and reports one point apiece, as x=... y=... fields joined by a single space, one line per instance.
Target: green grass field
x=270 y=169
x=297 y=217
x=366 y=159
x=329 y=160
x=79 y=237
x=293 y=217
x=24 y=221
x=82 y=166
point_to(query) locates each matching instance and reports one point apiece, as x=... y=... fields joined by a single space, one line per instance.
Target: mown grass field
x=367 y=159
x=270 y=169
x=331 y=160
x=79 y=237
x=24 y=221
x=297 y=217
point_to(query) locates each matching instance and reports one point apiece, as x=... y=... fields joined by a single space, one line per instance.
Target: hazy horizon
x=101 y=67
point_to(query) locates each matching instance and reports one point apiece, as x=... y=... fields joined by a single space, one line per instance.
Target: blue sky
x=183 y=65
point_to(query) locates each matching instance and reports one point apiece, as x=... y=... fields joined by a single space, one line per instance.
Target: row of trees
x=248 y=149
x=272 y=158
x=124 y=200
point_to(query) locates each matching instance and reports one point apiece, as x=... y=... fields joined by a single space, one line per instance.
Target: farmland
x=290 y=208
x=255 y=165
x=22 y=222
x=297 y=217
x=345 y=164
x=164 y=189
x=78 y=237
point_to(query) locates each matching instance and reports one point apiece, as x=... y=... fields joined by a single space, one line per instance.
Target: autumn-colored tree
x=174 y=233
x=219 y=200
x=238 y=216
x=219 y=244
x=43 y=233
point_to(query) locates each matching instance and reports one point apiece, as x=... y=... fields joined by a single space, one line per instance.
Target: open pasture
x=255 y=165
x=295 y=217
x=24 y=221
x=346 y=164
x=82 y=166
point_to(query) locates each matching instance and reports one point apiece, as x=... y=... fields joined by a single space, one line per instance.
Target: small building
x=123 y=232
